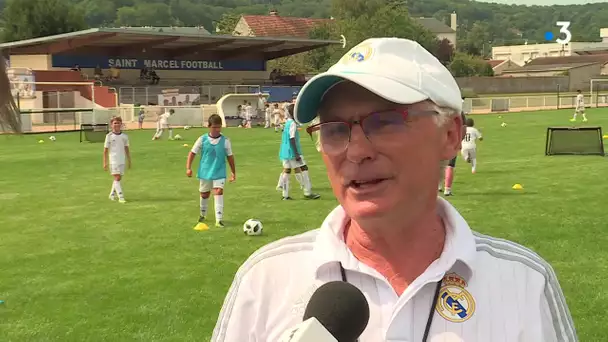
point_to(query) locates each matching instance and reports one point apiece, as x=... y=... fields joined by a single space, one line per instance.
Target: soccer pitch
x=75 y=266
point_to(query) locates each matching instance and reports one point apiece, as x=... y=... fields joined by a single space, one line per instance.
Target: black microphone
x=341 y=308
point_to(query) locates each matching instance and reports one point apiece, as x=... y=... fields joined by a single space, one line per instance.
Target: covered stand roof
x=166 y=43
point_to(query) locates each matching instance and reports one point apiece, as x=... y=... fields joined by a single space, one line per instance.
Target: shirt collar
x=458 y=252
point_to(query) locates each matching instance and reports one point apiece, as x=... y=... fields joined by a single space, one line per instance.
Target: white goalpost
x=595 y=83
x=56 y=105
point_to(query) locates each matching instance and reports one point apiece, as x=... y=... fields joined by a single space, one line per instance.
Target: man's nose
x=359 y=147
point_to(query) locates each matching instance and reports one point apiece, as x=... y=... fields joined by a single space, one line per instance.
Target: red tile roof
x=495 y=62
x=277 y=26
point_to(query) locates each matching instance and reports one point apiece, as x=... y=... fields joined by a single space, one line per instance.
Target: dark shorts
x=452 y=162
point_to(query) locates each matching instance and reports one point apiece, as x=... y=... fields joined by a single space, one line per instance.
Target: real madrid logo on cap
x=455 y=303
x=359 y=53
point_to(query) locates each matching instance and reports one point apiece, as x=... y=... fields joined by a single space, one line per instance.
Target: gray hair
x=444 y=114
x=9 y=113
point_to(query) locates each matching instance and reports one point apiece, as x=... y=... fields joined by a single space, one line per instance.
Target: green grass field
x=75 y=266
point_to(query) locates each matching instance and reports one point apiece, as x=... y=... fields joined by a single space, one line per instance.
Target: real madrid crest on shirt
x=455 y=303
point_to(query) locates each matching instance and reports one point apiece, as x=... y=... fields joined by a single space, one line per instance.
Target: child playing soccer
x=469 y=145
x=267 y=115
x=580 y=107
x=116 y=147
x=276 y=113
x=162 y=124
x=214 y=149
x=291 y=157
x=248 y=115
x=447 y=171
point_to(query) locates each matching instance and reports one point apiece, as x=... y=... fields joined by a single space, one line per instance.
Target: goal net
x=574 y=141
x=193 y=116
x=598 y=93
x=94 y=132
x=50 y=106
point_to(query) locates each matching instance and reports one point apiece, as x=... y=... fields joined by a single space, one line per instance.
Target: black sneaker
x=312 y=196
x=201 y=219
x=287 y=198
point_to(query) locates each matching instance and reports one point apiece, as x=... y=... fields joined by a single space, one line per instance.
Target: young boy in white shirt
x=580 y=107
x=276 y=114
x=469 y=145
x=248 y=114
x=162 y=124
x=267 y=115
x=215 y=150
x=116 y=149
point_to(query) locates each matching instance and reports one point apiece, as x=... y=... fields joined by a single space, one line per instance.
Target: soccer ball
x=253 y=227
x=187 y=127
x=504 y=124
x=52 y=138
x=177 y=137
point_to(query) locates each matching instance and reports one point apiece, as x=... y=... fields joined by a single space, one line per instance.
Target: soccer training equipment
x=94 y=132
x=504 y=124
x=177 y=137
x=187 y=127
x=52 y=138
x=574 y=141
x=253 y=227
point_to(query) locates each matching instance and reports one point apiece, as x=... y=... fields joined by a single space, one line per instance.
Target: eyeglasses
x=378 y=127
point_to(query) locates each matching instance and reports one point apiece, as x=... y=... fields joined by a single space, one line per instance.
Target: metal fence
x=181 y=96
x=68 y=119
x=529 y=103
x=63 y=120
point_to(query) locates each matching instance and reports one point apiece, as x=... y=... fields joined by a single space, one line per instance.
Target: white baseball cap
x=398 y=70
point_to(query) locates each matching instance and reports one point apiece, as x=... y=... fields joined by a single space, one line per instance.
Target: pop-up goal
x=574 y=141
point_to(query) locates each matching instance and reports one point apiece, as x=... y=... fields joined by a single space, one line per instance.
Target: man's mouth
x=361 y=184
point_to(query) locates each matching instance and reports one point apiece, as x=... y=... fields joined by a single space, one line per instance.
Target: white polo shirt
x=494 y=290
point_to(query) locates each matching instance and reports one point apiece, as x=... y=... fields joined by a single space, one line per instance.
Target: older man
x=389 y=116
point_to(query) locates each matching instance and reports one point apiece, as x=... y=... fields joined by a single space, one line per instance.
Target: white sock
x=170 y=133
x=118 y=189
x=113 y=191
x=203 y=206
x=219 y=207
x=280 y=183
x=306 y=183
x=584 y=116
x=299 y=179
x=473 y=164
x=285 y=185
x=574 y=117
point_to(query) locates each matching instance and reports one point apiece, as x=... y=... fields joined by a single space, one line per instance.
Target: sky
x=546 y=2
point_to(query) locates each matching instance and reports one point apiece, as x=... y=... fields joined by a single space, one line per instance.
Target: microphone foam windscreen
x=341 y=308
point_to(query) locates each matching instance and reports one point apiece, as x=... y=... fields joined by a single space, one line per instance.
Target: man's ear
x=453 y=130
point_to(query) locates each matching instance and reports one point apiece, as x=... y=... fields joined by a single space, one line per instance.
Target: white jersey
x=470 y=138
x=116 y=143
x=163 y=119
x=248 y=112
x=494 y=290
x=261 y=103
x=198 y=145
x=580 y=101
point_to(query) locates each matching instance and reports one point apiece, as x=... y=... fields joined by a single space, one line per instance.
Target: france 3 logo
x=564 y=35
